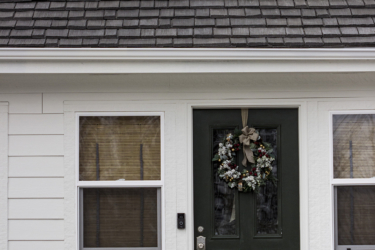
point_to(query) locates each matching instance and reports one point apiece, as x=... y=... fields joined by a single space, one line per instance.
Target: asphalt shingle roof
x=188 y=23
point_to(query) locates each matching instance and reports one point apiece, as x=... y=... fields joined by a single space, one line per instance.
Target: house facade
x=123 y=124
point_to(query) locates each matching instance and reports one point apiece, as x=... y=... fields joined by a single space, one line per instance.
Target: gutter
x=184 y=60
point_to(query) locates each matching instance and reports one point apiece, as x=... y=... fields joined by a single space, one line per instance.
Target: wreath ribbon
x=248 y=135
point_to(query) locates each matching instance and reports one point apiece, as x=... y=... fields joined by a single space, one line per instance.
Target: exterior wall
x=41 y=135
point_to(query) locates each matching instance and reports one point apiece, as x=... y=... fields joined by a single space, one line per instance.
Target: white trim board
x=4 y=175
x=184 y=60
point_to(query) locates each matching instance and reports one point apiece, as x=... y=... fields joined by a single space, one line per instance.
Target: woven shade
x=119 y=147
x=356 y=215
x=359 y=131
x=123 y=218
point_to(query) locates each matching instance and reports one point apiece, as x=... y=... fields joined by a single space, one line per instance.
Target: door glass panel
x=354 y=146
x=119 y=148
x=120 y=217
x=267 y=199
x=224 y=197
x=355 y=206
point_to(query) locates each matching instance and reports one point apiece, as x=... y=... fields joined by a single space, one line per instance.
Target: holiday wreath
x=257 y=156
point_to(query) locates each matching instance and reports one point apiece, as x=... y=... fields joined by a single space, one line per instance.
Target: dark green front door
x=268 y=220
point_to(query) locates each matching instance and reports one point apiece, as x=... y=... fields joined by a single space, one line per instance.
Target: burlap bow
x=248 y=135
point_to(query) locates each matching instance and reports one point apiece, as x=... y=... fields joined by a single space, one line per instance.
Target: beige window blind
x=354 y=146
x=356 y=215
x=119 y=147
x=120 y=217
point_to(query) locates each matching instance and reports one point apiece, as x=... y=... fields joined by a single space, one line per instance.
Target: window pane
x=224 y=197
x=353 y=146
x=267 y=207
x=356 y=215
x=119 y=148
x=116 y=217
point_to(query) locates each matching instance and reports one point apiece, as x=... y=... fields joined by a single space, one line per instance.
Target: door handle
x=201 y=243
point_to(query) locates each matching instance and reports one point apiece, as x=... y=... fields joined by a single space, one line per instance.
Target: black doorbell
x=181 y=221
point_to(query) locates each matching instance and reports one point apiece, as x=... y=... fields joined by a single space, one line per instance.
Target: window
x=353 y=180
x=120 y=180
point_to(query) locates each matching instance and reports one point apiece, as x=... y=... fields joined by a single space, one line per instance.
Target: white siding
x=42 y=124
x=36 y=245
x=36 y=229
x=36 y=209
x=36 y=145
x=23 y=103
x=36 y=187
x=37 y=154
x=36 y=166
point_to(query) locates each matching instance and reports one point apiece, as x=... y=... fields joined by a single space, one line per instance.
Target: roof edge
x=186 y=54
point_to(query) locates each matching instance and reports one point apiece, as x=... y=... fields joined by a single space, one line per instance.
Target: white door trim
x=4 y=175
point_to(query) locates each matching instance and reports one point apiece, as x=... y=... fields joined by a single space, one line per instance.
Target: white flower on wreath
x=222 y=151
x=232 y=184
x=229 y=136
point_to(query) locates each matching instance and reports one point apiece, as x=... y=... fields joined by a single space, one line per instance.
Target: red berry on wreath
x=254 y=169
x=255 y=174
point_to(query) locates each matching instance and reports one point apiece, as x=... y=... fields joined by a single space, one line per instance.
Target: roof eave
x=184 y=60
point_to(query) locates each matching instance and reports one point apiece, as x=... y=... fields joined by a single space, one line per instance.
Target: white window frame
x=344 y=182
x=80 y=185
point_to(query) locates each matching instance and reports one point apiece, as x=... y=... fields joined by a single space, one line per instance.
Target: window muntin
x=112 y=171
x=353 y=165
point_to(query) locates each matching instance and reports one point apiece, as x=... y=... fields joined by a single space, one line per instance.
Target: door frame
x=301 y=105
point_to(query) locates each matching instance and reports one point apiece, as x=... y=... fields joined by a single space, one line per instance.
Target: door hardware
x=201 y=243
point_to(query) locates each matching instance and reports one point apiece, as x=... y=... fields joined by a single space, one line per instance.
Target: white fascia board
x=187 y=60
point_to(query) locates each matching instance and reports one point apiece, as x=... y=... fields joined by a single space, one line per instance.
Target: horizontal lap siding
x=36 y=245
x=36 y=166
x=23 y=103
x=36 y=209
x=36 y=230
x=36 y=186
x=36 y=124
x=36 y=145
